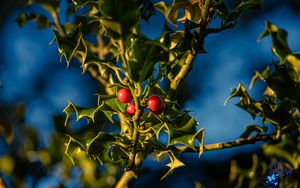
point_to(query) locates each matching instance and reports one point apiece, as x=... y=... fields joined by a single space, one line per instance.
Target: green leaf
x=174 y=162
x=200 y=138
x=171 y=12
x=73 y=147
x=281 y=83
x=246 y=102
x=119 y=18
x=99 y=146
x=42 y=21
x=185 y=133
x=147 y=10
x=66 y=45
x=88 y=113
x=280 y=46
x=6 y=131
x=260 y=76
x=51 y=6
x=239 y=92
x=221 y=9
x=280 y=153
x=293 y=67
x=281 y=114
x=82 y=3
x=115 y=104
x=243 y=6
x=146 y=55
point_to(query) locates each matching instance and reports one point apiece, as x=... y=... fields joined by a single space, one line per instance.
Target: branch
x=239 y=142
x=126 y=179
x=188 y=60
x=221 y=28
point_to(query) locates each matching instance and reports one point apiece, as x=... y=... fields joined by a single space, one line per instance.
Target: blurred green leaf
x=147 y=10
x=221 y=9
x=41 y=20
x=293 y=67
x=6 y=131
x=51 y=6
x=243 y=6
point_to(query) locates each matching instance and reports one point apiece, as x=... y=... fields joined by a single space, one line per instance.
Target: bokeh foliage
x=104 y=36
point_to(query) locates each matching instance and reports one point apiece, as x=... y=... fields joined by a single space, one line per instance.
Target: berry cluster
x=155 y=104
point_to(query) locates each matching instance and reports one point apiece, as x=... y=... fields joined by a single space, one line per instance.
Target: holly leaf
x=6 y=131
x=282 y=84
x=119 y=18
x=280 y=46
x=66 y=45
x=174 y=162
x=243 y=6
x=99 y=146
x=42 y=21
x=146 y=55
x=221 y=9
x=260 y=76
x=51 y=6
x=88 y=113
x=147 y=10
x=171 y=12
x=293 y=67
x=241 y=92
x=73 y=147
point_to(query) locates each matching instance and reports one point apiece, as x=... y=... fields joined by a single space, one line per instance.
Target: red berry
x=161 y=110
x=131 y=108
x=154 y=103
x=124 y=95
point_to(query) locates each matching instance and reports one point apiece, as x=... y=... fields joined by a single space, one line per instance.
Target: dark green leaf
x=51 y=6
x=293 y=67
x=99 y=146
x=41 y=20
x=221 y=9
x=81 y=112
x=243 y=6
x=280 y=46
x=147 y=10
x=146 y=55
x=72 y=147
x=119 y=18
x=6 y=131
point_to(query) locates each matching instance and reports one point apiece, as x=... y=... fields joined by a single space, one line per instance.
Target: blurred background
x=34 y=88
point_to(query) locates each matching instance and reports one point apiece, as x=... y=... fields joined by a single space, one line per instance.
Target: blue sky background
x=31 y=73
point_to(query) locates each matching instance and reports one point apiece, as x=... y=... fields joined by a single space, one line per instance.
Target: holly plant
x=140 y=77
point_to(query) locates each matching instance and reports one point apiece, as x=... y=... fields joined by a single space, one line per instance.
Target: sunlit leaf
x=174 y=162
x=81 y=112
x=293 y=67
x=280 y=46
